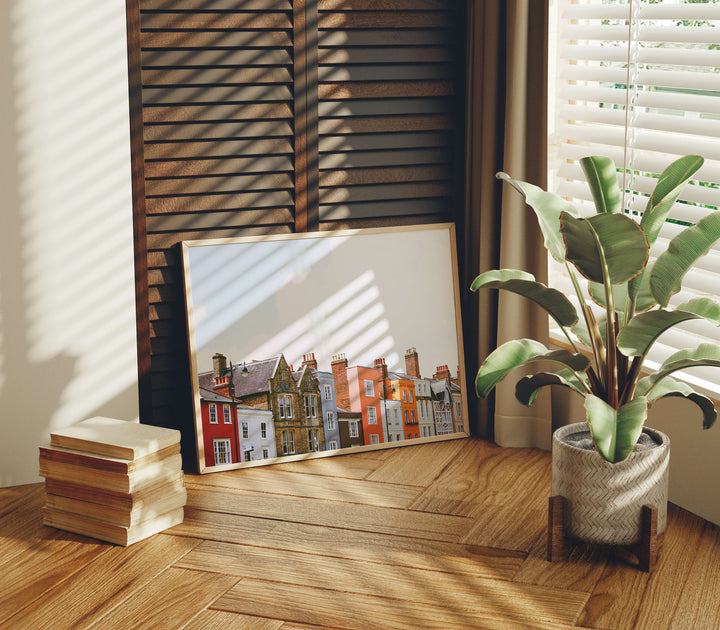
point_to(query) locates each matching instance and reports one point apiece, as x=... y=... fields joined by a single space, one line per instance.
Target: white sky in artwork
x=367 y=296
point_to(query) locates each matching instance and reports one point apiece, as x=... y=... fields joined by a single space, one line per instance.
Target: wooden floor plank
x=22 y=525
x=109 y=580
x=476 y=479
x=490 y=597
x=410 y=465
x=507 y=527
x=331 y=513
x=699 y=604
x=581 y=570
x=272 y=481
x=43 y=566
x=675 y=566
x=351 y=466
x=221 y=620
x=623 y=591
x=368 y=612
x=15 y=498
x=167 y=602
x=355 y=545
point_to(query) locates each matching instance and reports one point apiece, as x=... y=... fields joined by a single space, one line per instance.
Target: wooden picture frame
x=317 y=344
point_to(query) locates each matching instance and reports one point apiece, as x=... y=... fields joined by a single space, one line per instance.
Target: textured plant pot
x=604 y=500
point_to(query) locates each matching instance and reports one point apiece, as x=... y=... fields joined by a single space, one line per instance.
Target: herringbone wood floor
x=450 y=535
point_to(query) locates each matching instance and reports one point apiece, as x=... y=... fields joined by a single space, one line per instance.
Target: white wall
x=67 y=327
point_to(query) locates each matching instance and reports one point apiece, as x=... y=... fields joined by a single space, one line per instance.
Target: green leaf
x=547 y=207
x=643 y=298
x=523 y=283
x=516 y=353
x=597 y=293
x=580 y=329
x=601 y=175
x=704 y=307
x=615 y=431
x=670 y=387
x=705 y=355
x=605 y=244
x=640 y=334
x=526 y=389
x=682 y=253
x=668 y=188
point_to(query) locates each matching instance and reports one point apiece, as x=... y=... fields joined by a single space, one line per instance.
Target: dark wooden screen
x=270 y=116
x=387 y=108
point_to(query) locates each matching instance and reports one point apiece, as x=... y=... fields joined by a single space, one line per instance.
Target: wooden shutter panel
x=388 y=107
x=218 y=143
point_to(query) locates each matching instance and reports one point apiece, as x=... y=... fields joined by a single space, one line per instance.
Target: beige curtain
x=506 y=100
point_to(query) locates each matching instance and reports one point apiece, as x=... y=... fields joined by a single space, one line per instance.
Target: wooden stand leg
x=556 y=529
x=648 y=549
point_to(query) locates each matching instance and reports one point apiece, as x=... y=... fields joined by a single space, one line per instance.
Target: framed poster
x=316 y=344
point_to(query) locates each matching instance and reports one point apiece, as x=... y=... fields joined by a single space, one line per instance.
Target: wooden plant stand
x=646 y=550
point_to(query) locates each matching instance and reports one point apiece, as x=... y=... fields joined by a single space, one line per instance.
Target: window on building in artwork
x=266 y=453
x=410 y=396
x=374 y=438
x=330 y=421
x=353 y=428
x=310 y=406
x=404 y=395
x=212 y=409
x=223 y=454
x=369 y=388
x=247 y=456
x=327 y=392
x=412 y=416
x=372 y=415
x=407 y=417
x=332 y=445
x=245 y=430
x=263 y=429
x=226 y=414
x=285 y=406
x=288 y=442
x=314 y=439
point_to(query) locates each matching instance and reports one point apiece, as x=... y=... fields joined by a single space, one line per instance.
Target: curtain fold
x=506 y=131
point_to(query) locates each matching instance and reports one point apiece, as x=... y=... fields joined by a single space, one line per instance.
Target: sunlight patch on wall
x=70 y=71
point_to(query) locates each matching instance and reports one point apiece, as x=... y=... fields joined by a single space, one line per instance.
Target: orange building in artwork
x=401 y=388
x=359 y=389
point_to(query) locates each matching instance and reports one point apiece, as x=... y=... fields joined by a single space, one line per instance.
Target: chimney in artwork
x=221 y=374
x=442 y=372
x=309 y=361
x=339 y=366
x=412 y=363
x=381 y=368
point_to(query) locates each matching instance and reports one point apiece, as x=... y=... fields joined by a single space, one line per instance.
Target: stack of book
x=113 y=480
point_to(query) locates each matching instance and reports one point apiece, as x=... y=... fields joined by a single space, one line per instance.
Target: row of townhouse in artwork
x=266 y=409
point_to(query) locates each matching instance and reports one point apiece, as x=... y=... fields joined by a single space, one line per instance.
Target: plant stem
x=631 y=382
x=595 y=340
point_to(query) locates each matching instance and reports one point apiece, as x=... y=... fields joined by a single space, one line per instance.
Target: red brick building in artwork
x=219 y=424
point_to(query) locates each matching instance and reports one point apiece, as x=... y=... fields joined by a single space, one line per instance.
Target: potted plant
x=607 y=484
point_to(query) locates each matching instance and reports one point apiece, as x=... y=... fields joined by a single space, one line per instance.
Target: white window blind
x=639 y=81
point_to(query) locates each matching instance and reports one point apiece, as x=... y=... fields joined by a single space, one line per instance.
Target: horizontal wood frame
x=255 y=117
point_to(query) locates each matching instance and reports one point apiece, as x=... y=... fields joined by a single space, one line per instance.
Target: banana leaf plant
x=606 y=356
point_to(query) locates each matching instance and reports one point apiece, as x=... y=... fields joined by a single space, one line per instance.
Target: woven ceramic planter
x=604 y=500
